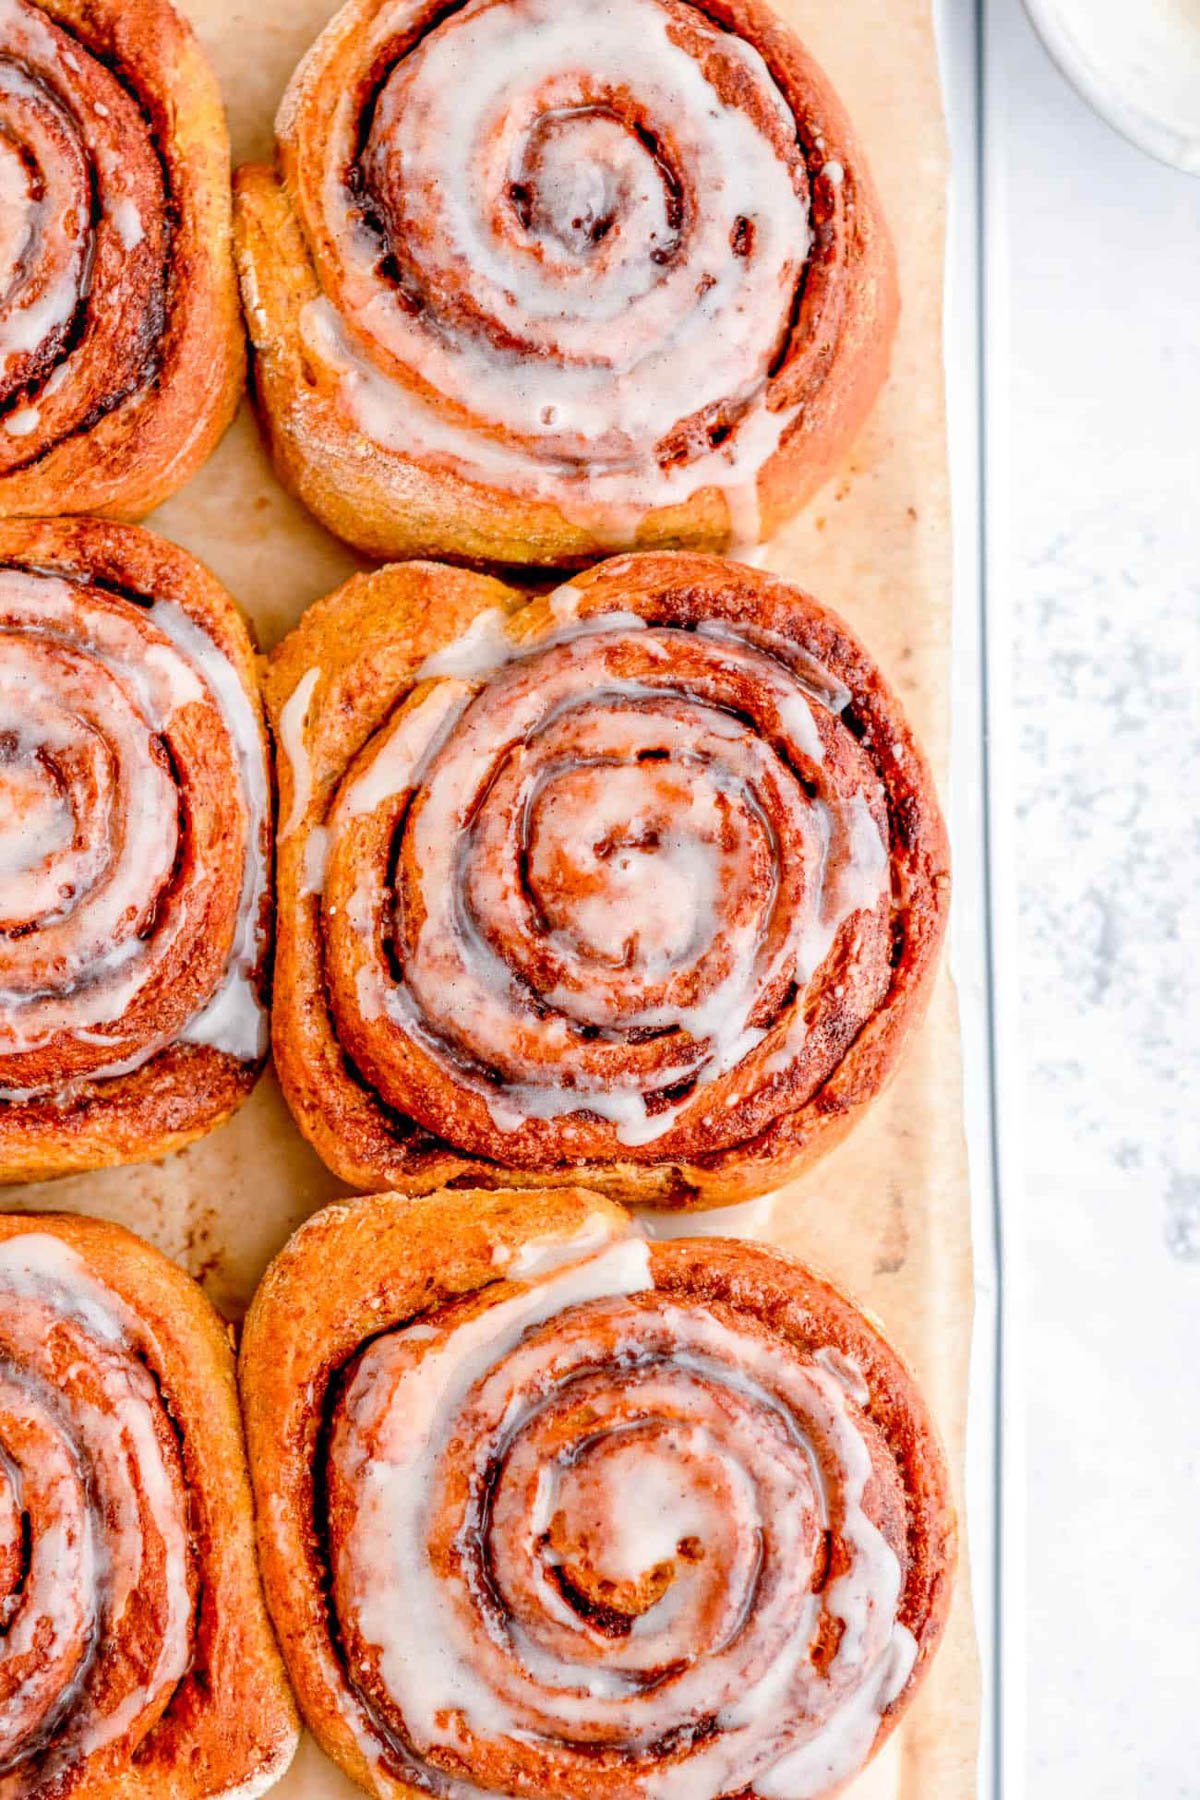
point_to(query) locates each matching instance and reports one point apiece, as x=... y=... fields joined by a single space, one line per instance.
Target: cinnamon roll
x=640 y=884
x=136 y=1658
x=535 y=280
x=135 y=822
x=120 y=345
x=545 y=1509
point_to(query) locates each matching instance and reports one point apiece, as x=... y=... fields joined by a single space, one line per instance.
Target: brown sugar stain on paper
x=886 y=1214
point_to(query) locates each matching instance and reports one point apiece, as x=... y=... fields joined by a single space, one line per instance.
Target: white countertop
x=1088 y=579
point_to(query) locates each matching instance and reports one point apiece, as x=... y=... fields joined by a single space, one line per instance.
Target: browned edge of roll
x=126 y=393
x=400 y=496
x=186 y=1088
x=229 y=1725
x=358 y=1274
x=348 y=679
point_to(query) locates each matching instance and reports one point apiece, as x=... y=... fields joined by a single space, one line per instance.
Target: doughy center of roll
x=583 y=176
x=627 y=863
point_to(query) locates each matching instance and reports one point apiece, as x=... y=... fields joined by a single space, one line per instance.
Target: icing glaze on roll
x=529 y=954
x=628 y=1533
x=586 y=196
x=603 y=261
x=548 y=1509
x=638 y=879
x=120 y=350
x=97 y=1583
x=71 y=129
x=132 y=907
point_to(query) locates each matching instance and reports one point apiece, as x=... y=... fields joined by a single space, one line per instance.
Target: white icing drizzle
x=538 y=1256
x=841 y=1748
x=47 y=235
x=51 y=616
x=235 y=1019
x=403 y=759
x=293 y=719
x=630 y=320
x=72 y=678
x=483 y=646
x=564 y=602
x=45 y=262
x=396 y=1582
x=745 y=1219
x=455 y=975
x=127 y=221
x=655 y=1464
x=316 y=857
x=91 y=1565
x=846 y=1370
x=487 y=646
x=37 y=1265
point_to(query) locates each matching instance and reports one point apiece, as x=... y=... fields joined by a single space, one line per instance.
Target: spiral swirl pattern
x=121 y=908
x=134 y=812
x=597 y=258
x=617 y=917
x=97 y=1579
x=664 y=1521
x=617 y=882
x=83 y=285
x=100 y=235
x=541 y=202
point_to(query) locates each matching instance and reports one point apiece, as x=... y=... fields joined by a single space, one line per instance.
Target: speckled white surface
x=1093 y=359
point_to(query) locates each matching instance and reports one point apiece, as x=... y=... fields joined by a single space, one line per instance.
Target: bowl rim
x=1166 y=143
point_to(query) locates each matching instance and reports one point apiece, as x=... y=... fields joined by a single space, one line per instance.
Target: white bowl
x=1137 y=62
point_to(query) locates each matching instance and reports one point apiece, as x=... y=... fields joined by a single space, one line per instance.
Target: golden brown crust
x=349 y=1272
x=57 y=1117
x=395 y=500
x=356 y=1274
x=229 y=1725
x=341 y=688
x=126 y=398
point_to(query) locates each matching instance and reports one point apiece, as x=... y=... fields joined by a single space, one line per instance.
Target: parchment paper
x=887 y=1213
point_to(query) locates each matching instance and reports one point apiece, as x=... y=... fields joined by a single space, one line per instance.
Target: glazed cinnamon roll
x=135 y=821
x=642 y=882
x=546 y=1509
x=535 y=280
x=120 y=345
x=136 y=1659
